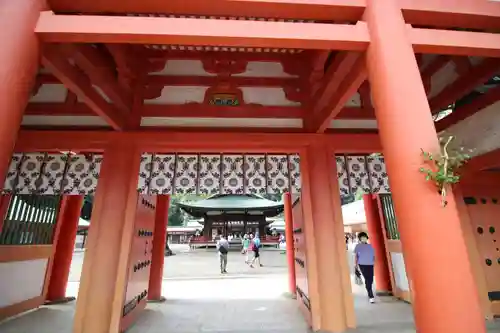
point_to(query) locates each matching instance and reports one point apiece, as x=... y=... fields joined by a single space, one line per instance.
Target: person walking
x=246 y=245
x=255 y=247
x=222 y=248
x=364 y=260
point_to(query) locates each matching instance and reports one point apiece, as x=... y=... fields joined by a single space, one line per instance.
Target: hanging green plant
x=443 y=166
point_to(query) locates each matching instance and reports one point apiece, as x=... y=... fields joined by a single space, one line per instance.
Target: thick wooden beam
x=163 y=55
x=431 y=69
x=179 y=141
x=186 y=31
x=204 y=81
x=336 y=73
x=54 y=60
x=474 y=14
x=477 y=76
x=100 y=70
x=465 y=111
x=209 y=81
x=341 y=10
x=449 y=42
x=198 y=111
x=320 y=120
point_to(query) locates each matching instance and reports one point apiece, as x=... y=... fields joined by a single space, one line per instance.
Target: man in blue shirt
x=364 y=260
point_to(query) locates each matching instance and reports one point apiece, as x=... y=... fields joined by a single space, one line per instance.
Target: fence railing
x=30 y=220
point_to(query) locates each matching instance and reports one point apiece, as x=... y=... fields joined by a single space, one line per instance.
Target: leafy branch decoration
x=442 y=170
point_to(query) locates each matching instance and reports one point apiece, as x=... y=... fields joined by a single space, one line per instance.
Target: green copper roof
x=233 y=202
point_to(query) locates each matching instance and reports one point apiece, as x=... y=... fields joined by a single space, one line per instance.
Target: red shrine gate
x=353 y=76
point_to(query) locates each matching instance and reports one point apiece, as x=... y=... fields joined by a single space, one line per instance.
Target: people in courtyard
x=222 y=249
x=364 y=260
x=255 y=248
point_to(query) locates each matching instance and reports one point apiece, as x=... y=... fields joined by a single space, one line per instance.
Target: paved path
x=200 y=300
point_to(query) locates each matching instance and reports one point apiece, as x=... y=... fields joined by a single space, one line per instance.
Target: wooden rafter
x=477 y=76
x=465 y=111
x=431 y=69
x=101 y=71
x=331 y=81
x=350 y=84
x=55 y=60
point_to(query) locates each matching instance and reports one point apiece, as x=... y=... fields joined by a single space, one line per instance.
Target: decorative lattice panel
x=53 y=174
x=255 y=174
x=209 y=181
x=82 y=174
x=278 y=180
x=342 y=175
x=145 y=173
x=294 y=169
x=358 y=174
x=186 y=174
x=232 y=174
x=29 y=173
x=378 y=174
x=162 y=174
x=12 y=174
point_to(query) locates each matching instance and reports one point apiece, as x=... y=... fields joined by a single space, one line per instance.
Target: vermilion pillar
x=68 y=218
x=328 y=275
x=373 y=222
x=159 y=242
x=4 y=207
x=105 y=271
x=290 y=249
x=19 y=56
x=444 y=296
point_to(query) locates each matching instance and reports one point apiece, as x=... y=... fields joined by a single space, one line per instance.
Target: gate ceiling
x=39 y=173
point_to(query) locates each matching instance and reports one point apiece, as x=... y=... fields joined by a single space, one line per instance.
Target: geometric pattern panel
x=52 y=175
x=232 y=174
x=294 y=169
x=29 y=173
x=358 y=175
x=145 y=170
x=162 y=174
x=255 y=174
x=78 y=174
x=12 y=174
x=342 y=175
x=278 y=180
x=186 y=174
x=378 y=175
x=82 y=174
x=209 y=174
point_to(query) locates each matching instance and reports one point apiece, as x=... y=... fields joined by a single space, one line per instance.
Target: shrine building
x=132 y=102
x=234 y=215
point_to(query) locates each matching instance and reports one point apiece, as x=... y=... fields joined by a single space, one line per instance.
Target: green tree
x=175 y=214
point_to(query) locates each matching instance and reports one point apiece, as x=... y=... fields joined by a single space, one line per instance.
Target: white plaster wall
x=480 y=132
x=222 y=122
x=264 y=69
x=399 y=268
x=63 y=121
x=266 y=96
x=179 y=95
x=50 y=93
x=183 y=68
x=21 y=280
